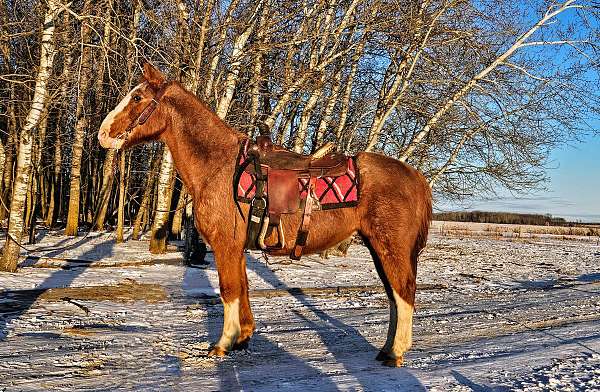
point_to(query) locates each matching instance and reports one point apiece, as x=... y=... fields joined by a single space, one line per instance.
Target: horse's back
x=393 y=194
x=381 y=173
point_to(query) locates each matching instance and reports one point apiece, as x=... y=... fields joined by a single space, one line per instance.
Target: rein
x=145 y=114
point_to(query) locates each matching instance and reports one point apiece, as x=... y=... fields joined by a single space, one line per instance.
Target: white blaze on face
x=104 y=134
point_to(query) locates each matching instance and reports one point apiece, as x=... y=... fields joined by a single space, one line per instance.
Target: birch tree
x=552 y=12
x=473 y=94
x=158 y=240
x=81 y=124
x=11 y=249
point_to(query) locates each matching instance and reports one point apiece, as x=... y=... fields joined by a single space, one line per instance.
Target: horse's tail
x=425 y=221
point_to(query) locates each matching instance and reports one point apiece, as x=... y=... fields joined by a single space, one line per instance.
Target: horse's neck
x=202 y=146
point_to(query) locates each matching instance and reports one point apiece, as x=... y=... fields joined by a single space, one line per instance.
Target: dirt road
x=491 y=314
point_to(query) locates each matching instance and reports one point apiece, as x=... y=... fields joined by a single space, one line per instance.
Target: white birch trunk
x=158 y=241
x=300 y=138
x=348 y=93
x=10 y=253
x=208 y=91
x=234 y=71
x=257 y=67
x=193 y=84
x=327 y=112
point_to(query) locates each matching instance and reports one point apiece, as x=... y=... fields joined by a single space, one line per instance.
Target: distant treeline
x=500 y=217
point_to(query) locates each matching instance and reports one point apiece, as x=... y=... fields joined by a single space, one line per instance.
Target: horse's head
x=140 y=116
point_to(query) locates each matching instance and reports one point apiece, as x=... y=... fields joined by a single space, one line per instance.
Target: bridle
x=145 y=114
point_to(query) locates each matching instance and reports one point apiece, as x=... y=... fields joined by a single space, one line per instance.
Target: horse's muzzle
x=109 y=142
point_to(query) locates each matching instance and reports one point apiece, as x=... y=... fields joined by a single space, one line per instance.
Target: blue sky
x=573 y=191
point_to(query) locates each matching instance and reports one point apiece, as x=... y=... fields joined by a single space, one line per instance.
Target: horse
x=392 y=215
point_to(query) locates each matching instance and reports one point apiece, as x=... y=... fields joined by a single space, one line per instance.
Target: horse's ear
x=153 y=76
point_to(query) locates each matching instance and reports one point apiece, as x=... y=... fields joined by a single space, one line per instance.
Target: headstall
x=145 y=114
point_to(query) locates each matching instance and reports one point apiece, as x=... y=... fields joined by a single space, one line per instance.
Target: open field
x=516 y=231
x=492 y=314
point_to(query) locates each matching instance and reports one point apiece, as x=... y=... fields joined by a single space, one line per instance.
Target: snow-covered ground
x=493 y=314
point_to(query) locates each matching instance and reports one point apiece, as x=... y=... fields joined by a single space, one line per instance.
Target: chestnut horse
x=392 y=215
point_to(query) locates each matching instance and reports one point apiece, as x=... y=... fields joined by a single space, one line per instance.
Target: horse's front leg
x=238 y=322
x=247 y=324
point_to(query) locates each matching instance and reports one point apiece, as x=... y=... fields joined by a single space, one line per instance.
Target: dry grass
x=513 y=231
x=125 y=291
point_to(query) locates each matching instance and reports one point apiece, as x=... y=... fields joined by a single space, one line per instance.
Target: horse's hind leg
x=383 y=354
x=395 y=267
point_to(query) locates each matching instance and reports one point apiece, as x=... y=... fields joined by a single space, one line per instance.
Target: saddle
x=279 y=171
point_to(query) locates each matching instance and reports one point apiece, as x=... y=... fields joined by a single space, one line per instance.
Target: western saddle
x=281 y=170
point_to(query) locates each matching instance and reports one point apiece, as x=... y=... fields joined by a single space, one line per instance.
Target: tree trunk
x=234 y=69
x=121 y=208
x=80 y=128
x=55 y=184
x=139 y=222
x=300 y=138
x=2 y=161
x=10 y=151
x=109 y=159
x=158 y=240
x=105 y=190
x=36 y=173
x=343 y=116
x=326 y=117
x=256 y=80
x=7 y=150
x=10 y=253
x=55 y=180
x=195 y=78
x=220 y=44
x=178 y=216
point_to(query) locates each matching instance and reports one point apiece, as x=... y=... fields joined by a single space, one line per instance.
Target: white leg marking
x=403 y=337
x=231 y=325
x=391 y=328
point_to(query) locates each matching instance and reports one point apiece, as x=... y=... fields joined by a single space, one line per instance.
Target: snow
x=492 y=313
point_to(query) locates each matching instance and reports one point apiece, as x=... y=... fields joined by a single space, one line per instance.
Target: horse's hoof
x=382 y=356
x=242 y=344
x=393 y=362
x=217 y=352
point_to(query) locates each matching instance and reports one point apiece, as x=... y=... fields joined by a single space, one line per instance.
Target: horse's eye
x=137 y=98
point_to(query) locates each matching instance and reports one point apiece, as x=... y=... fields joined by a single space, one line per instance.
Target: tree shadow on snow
x=474 y=386
x=18 y=302
x=589 y=278
x=359 y=361
x=253 y=369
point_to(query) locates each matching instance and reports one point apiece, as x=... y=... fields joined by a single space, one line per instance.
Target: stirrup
x=263 y=233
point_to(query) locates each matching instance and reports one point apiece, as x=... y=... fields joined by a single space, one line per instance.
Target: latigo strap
x=302 y=237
